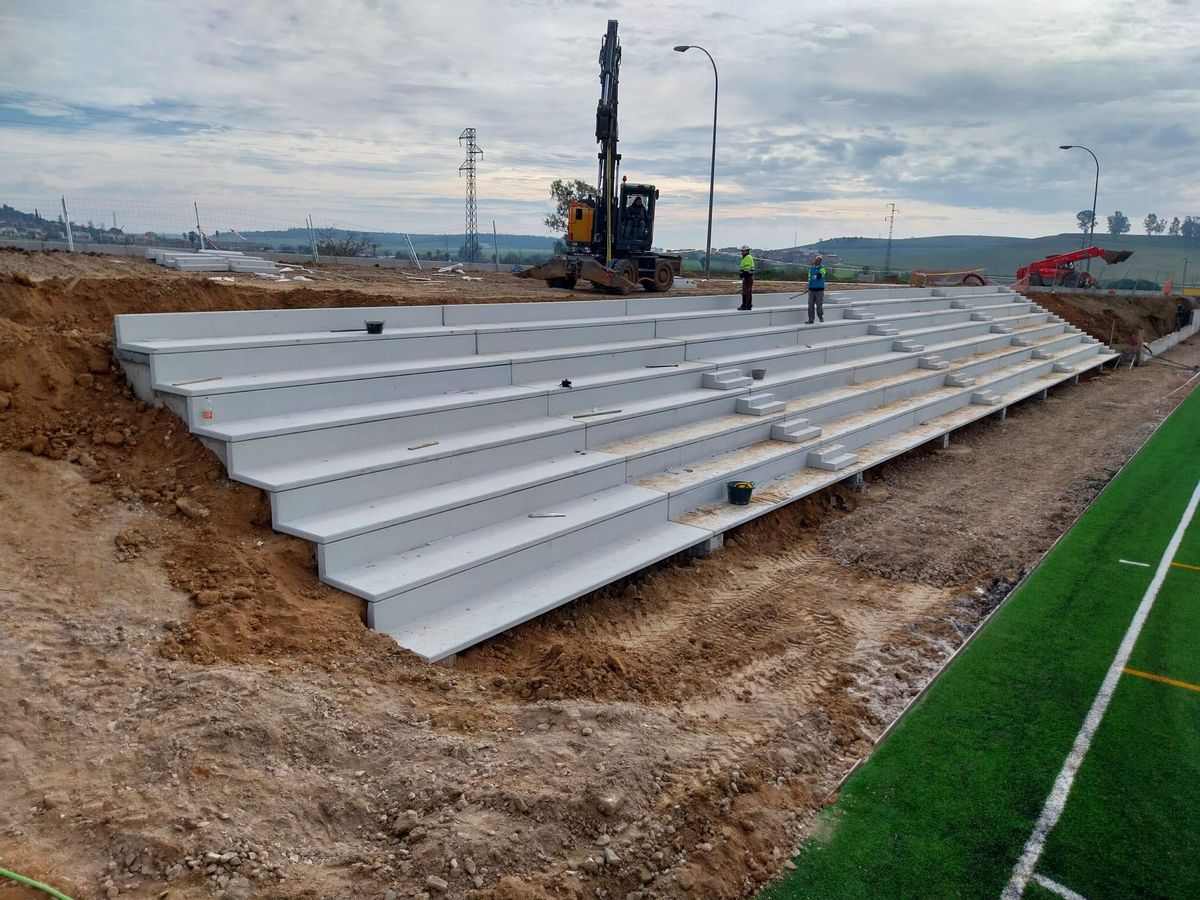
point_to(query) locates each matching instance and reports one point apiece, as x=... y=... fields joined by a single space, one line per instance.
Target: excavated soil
x=188 y=710
x=1120 y=320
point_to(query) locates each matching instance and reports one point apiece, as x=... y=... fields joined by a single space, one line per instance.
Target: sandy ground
x=188 y=712
x=409 y=286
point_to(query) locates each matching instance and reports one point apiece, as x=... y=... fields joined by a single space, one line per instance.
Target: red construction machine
x=1060 y=269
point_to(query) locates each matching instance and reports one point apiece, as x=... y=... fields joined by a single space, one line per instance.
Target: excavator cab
x=635 y=228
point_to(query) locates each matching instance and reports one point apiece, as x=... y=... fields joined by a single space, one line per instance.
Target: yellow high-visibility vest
x=747 y=263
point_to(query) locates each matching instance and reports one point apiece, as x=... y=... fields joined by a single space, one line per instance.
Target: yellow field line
x=1179 y=565
x=1152 y=677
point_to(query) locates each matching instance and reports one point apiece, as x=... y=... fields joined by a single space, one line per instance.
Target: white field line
x=1130 y=562
x=1055 y=888
x=1053 y=807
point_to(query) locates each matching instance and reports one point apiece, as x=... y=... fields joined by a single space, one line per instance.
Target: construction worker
x=816 y=291
x=746 y=273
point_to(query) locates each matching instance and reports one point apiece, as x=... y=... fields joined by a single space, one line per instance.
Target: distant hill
x=1154 y=258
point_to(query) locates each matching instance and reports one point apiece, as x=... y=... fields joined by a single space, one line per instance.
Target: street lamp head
x=1066 y=146
x=683 y=48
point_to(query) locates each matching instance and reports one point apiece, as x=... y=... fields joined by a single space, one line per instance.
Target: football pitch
x=1059 y=753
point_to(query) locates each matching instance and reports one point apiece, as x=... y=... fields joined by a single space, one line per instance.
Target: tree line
x=1118 y=223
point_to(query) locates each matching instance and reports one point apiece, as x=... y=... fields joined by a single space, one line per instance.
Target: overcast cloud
x=351 y=109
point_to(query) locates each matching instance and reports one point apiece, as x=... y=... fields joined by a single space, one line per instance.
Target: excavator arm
x=1109 y=256
x=1059 y=268
x=606 y=137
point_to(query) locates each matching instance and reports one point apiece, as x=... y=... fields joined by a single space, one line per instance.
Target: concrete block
x=726 y=380
x=985 y=398
x=759 y=405
x=795 y=431
x=707 y=547
x=831 y=458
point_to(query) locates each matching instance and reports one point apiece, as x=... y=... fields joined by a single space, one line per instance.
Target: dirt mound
x=1120 y=320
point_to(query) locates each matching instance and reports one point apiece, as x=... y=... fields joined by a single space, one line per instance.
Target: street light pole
x=1095 y=193
x=712 y=169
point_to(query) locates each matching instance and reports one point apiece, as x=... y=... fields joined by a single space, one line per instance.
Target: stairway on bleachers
x=473 y=466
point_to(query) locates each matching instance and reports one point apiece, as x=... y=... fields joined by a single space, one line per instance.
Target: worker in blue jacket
x=816 y=291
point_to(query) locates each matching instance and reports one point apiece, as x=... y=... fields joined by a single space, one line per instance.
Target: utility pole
x=887 y=261
x=67 y=225
x=199 y=230
x=1183 y=281
x=471 y=237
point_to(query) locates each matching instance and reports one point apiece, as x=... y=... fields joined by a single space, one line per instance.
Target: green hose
x=34 y=884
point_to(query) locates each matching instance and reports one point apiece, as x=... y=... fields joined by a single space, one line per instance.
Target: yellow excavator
x=609 y=236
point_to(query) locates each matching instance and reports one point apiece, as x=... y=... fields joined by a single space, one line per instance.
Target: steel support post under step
x=1002 y=414
x=1074 y=379
x=855 y=483
x=944 y=441
x=1042 y=394
x=707 y=547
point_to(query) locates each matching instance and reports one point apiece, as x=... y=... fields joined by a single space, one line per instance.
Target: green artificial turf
x=947 y=802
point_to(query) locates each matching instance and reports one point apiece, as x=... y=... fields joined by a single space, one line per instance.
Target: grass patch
x=947 y=802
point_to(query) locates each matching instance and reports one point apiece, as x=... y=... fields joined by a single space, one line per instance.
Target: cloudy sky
x=351 y=109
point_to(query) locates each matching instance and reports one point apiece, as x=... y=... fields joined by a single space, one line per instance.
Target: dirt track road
x=187 y=709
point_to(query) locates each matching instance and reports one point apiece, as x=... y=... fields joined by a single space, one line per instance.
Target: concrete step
x=880 y=328
x=1021 y=342
x=683 y=446
x=956 y=380
x=426 y=579
x=795 y=431
x=726 y=380
x=831 y=458
x=959 y=304
x=316 y=418
x=907 y=346
x=1001 y=329
x=759 y=405
x=859 y=314
x=1042 y=354
x=932 y=362
x=472 y=618
x=980 y=317
x=985 y=398
x=647 y=416
x=342 y=440
x=396 y=526
x=1064 y=368
x=435 y=461
x=440 y=510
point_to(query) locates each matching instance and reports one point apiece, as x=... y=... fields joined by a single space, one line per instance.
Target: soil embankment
x=188 y=709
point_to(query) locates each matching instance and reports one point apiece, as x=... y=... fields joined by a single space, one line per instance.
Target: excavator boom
x=610 y=237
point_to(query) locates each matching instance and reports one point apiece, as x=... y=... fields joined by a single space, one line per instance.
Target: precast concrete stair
x=471 y=467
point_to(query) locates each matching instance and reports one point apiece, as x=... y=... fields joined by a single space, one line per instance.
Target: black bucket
x=374 y=328
x=739 y=492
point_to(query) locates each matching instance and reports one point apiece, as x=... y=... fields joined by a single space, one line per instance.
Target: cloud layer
x=351 y=109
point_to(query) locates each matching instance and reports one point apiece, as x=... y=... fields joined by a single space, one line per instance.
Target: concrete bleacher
x=473 y=466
